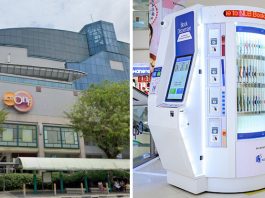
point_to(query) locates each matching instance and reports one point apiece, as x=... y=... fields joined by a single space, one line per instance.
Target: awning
x=42 y=72
x=71 y=164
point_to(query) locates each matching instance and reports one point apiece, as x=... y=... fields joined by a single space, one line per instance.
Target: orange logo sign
x=20 y=100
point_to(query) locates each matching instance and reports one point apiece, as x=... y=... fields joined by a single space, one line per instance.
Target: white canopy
x=71 y=164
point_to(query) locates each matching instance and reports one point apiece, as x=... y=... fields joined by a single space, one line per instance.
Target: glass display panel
x=250 y=82
x=179 y=78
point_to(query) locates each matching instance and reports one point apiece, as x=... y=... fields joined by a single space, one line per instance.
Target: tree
x=3 y=115
x=103 y=114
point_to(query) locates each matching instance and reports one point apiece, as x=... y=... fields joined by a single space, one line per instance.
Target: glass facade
x=35 y=82
x=47 y=43
x=101 y=37
x=98 y=69
x=60 y=137
x=91 y=51
x=103 y=48
x=143 y=145
x=18 y=135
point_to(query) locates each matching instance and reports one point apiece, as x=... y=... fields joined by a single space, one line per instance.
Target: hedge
x=14 y=181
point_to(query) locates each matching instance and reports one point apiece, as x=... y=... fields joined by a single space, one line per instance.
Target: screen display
x=179 y=78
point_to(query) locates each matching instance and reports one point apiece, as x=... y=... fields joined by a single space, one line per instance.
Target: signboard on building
x=22 y=101
x=47 y=177
x=141 y=69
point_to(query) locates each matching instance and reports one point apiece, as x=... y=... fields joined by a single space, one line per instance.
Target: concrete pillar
x=40 y=134
x=82 y=146
x=8 y=159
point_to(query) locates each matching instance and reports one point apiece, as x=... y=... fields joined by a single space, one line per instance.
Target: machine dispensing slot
x=214 y=106
x=215 y=132
x=214 y=42
x=214 y=71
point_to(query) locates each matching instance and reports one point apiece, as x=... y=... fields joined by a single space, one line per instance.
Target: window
x=116 y=65
x=18 y=135
x=140 y=19
x=8 y=135
x=69 y=138
x=60 y=137
x=52 y=137
x=27 y=135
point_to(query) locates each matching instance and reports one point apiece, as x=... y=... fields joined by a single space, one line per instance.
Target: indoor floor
x=150 y=182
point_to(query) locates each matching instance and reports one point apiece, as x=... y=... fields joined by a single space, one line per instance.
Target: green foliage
x=103 y=114
x=3 y=115
x=94 y=176
x=14 y=181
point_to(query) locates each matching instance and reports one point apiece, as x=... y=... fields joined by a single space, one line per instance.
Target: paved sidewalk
x=49 y=195
x=6 y=195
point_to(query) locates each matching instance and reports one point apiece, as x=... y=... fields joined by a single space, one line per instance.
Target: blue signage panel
x=250 y=29
x=185 y=34
x=141 y=69
x=157 y=72
x=253 y=135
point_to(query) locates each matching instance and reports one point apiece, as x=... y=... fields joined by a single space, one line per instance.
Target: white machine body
x=207 y=98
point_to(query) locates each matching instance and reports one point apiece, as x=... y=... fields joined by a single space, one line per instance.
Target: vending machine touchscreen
x=178 y=80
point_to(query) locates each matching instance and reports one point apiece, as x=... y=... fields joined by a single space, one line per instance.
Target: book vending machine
x=207 y=98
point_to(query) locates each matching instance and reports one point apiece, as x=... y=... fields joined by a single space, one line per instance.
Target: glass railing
x=36 y=82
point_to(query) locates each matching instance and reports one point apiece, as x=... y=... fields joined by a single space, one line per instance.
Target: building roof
x=71 y=164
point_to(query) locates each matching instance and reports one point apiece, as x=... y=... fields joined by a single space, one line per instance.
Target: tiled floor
x=150 y=182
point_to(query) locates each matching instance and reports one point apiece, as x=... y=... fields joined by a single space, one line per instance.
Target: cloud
x=69 y=15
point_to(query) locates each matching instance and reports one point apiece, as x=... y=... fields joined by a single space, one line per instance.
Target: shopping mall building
x=41 y=74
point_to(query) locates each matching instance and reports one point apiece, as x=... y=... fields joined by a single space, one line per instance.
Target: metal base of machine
x=235 y=185
x=220 y=185
x=193 y=185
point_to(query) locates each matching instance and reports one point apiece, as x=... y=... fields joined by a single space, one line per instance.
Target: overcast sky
x=66 y=14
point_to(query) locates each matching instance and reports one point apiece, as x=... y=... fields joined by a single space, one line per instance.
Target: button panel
x=216 y=121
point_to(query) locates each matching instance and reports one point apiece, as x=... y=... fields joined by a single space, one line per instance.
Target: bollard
x=35 y=182
x=82 y=188
x=54 y=188
x=86 y=184
x=24 y=190
x=107 y=187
